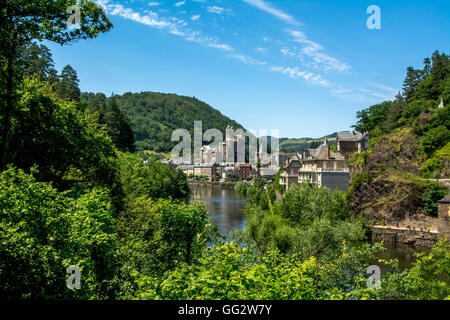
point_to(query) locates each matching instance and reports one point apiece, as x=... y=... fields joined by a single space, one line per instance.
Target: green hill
x=410 y=146
x=297 y=145
x=154 y=116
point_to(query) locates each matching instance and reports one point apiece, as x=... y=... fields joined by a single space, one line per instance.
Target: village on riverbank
x=328 y=165
x=324 y=166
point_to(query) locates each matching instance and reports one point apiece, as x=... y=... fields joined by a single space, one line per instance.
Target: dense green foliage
x=308 y=220
x=23 y=21
x=231 y=272
x=151 y=178
x=36 y=61
x=58 y=138
x=43 y=231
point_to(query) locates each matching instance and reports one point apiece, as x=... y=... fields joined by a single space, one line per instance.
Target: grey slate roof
x=446 y=199
x=351 y=136
x=321 y=153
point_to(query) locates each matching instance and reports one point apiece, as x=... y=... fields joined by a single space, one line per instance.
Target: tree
x=152 y=179
x=37 y=60
x=372 y=117
x=434 y=139
x=64 y=142
x=118 y=125
x=426 y=67
x=67 y=87
x=22 y=21
x=411 y=82
x=314 y=144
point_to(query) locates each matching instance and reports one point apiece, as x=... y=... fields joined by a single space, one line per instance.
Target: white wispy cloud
x=179 y=4
x=217 y=9
x=388 y=90
x=261 y=50
x=245 y=59
x=365 y=95
x=380 y=91
x=314 y=51
x=195 y=17
x=180 y=28
x=150 y=18
x=154 y=4
x=309 y=48
x=173 y=25
x=262 y=5
x=295 y=73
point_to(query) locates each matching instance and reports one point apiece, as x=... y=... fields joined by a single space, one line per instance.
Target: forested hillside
x=410 y=145
x=154 y=116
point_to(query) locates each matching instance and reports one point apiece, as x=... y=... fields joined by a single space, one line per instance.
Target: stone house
x=289 y=176
x=284 y=157
x=325 y=168
x=320 y=166
x=244 y=170
x=206 y=169
x=350 y=142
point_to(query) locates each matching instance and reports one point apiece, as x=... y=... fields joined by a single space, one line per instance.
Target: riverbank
x=409 y=236
x=223 y=185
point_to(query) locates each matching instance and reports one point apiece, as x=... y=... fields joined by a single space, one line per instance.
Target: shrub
x=434 y=139
x=430 y=198
x=43 y=231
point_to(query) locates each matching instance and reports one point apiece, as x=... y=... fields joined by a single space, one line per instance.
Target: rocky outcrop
x=387 y=198
x=390 y=194
x=396 y=151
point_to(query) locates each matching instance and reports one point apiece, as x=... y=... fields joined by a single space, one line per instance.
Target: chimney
x=328 y=149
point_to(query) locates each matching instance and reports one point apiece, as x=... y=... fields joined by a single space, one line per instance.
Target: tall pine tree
x=67 y=87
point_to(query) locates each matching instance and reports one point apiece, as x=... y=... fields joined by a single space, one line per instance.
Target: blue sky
x=303 y=67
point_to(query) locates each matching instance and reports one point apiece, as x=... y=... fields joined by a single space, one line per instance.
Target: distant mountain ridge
x=298 y=145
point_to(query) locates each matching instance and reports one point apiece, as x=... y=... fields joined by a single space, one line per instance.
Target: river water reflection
x=226 y=210
x=224 y=205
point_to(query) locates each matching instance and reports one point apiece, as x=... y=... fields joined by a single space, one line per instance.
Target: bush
x=430 y=198
x=435 y=139
x=43 y=231
x=153 y=179
x=156 y=236
x=241 y=189
x=302 y=205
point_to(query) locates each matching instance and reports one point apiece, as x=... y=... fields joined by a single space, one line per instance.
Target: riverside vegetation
x=73 y=192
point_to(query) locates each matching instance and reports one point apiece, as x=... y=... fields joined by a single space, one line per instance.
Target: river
x=224 y=205
x=226 y=209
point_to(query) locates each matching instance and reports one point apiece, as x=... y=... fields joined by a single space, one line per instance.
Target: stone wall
x=336 y=180
x=404 y=236
x=347 y=147
x=444 y=218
